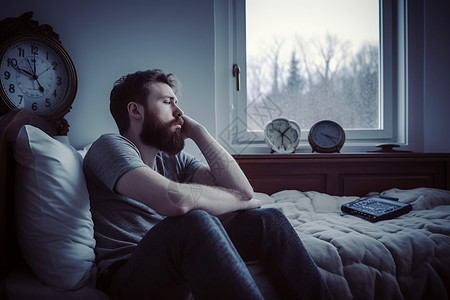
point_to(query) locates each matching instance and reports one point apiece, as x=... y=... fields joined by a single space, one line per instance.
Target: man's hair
x=133 y=87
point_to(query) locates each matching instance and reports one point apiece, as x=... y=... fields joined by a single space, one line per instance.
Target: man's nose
x=177 y=111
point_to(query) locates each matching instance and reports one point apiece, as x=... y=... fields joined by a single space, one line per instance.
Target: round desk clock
x=326 y=137
x=282 y=135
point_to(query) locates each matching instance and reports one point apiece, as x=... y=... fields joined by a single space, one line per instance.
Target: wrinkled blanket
x=403 y=258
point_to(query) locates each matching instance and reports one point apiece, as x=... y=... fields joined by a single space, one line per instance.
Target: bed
x=47 y=245
x=403 y=258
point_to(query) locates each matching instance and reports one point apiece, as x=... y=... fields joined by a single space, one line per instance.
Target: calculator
x=376 y=208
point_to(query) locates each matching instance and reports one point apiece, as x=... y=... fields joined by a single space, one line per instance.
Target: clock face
x=326 y=136
x=36 y=74
x=282 y=135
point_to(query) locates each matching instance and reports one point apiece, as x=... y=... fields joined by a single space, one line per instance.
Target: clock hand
x=282 y=133
x=333 y=138
x=31 y=68
x=35 y=77
x=40 y=86
x=23 y=71
x=43 y=72
x=34 y=65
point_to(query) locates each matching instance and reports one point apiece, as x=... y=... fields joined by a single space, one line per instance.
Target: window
x=349 y=71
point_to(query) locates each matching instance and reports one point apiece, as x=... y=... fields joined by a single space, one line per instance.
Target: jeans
x=201 y=254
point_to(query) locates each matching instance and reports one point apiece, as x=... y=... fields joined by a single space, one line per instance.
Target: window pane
x=310 y=60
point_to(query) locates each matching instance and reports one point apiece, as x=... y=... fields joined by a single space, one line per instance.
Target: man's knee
x=270 y=219
x=272 y=212
x=198 y=221
x=269 y=214
x=198 y=216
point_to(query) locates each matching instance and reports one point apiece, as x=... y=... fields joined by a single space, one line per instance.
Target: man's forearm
x=224 y=169
x=170 y=198
x=215 y=200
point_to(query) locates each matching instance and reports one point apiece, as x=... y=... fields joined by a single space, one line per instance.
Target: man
x=166 y=225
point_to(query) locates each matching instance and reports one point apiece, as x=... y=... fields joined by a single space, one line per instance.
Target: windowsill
x=305 y=148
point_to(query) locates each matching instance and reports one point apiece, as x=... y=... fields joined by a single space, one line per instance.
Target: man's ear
x=135 y=110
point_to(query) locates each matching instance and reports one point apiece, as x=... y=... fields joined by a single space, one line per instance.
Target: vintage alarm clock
x=36 y=72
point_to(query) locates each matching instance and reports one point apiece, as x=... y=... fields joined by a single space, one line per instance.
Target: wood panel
x=346 y=174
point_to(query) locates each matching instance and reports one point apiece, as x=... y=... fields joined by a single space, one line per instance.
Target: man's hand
x=253 y=203
x=190 y=127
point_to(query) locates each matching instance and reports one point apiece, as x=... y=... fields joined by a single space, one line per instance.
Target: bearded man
x=166 y=225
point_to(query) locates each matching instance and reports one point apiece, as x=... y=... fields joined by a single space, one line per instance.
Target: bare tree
x=272 y=53
x=255 y=78
x=364 y=67
x=266 y=70
x=306 y=56
x=333 y=53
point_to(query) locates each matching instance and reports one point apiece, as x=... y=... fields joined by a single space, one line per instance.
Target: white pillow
x=53 y=219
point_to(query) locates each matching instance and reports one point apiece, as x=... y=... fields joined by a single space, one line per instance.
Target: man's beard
x=161 y=135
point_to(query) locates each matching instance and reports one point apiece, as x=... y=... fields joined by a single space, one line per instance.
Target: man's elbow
x=179 y=201
x=247 y=193
x=175 y=211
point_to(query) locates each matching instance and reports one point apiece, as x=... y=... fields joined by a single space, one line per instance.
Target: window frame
x=231 y=116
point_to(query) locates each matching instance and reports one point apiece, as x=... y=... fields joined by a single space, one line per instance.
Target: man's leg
x=267 y=236
x=184 y=254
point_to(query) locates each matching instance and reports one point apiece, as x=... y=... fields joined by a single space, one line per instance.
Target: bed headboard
x=10 y=125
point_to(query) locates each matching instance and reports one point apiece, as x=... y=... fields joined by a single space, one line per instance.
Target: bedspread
x=404 y=258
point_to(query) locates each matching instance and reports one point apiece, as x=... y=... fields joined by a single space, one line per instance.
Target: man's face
x=162 y=135
x=162 y=120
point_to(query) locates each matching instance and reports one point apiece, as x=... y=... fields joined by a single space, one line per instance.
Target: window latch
x=237 y=74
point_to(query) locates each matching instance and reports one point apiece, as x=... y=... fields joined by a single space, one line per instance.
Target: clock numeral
x=47 y=103
x=7 y=75
x=54 y=64
x=34 y=50
x=58 y=80
x=21 y=99
x=12 y=62
x=12 y=88
x=54 y=94
x=21 y=52
x=34 y=106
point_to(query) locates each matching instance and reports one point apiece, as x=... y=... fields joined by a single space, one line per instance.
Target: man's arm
x=172 y=199
x=218 y=189
x=222 y=169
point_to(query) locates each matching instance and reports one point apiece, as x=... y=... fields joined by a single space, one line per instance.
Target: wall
x=107 y=39
x=437 y=76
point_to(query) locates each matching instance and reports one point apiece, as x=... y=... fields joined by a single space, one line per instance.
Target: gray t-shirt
x=120 y=222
